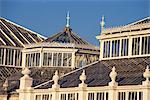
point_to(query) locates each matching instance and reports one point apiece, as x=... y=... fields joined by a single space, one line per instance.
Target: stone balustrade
x=111 y=92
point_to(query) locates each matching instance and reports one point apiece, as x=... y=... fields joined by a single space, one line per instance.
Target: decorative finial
x=26 y=81
x=5 y=85
x=26 y=71
x=55 y=79
x=102 y=23
x=146 y=75
x=113 y=76
x=68 y=20
x=83 y=78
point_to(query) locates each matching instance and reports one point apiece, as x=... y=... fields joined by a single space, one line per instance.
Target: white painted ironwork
x=68 y=20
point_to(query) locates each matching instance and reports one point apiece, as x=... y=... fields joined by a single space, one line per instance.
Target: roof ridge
x=67 y=36
x=138 y=21
x=80 y=38
x=53 y=36
x=126 y=25
x=67 y=74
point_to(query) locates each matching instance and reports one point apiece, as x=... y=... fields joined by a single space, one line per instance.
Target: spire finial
x=68 y=19
x=26 y=71
x=102 y=22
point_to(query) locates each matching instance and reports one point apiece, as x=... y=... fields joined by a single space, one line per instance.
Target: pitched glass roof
x=14 y=35
x=67 y=36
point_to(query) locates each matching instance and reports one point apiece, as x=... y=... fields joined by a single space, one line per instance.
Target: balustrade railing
x=93 y=93
x=112 y=91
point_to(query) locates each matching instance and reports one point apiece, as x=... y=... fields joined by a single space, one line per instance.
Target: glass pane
x=45 y=97
x=115 y=48
x=135 y=46
x=59 y=59
x=69 y=59
x=106 y=51
x=124 y=47
x=9 y=56
x=55 y=59
x=63 y=97
x=45 y=59
x=65 y=59
x=38 y=97
x=49 y=59
x=71 y=96
x=1 y=55
x=90 y=96
x=145 y=45
x=37 y=59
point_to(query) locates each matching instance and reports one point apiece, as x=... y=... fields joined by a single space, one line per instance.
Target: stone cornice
x=60 y=45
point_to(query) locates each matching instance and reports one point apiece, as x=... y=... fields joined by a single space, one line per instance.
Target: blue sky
x=47 y=17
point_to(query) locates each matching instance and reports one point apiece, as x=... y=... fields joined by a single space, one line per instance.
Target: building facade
x=121 y=73
x=21 y=47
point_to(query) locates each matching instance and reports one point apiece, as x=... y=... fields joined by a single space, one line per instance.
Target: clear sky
x=47 y=17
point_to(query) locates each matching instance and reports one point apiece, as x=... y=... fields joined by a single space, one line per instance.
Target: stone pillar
x=113 y=85
x=146 y=84
x=55 y=87
x=3 y=97
x=82 y=87
x=5 y=88
x=5 y=85
x=25 y=90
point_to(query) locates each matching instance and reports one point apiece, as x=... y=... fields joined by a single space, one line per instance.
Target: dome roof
x=67 y=36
